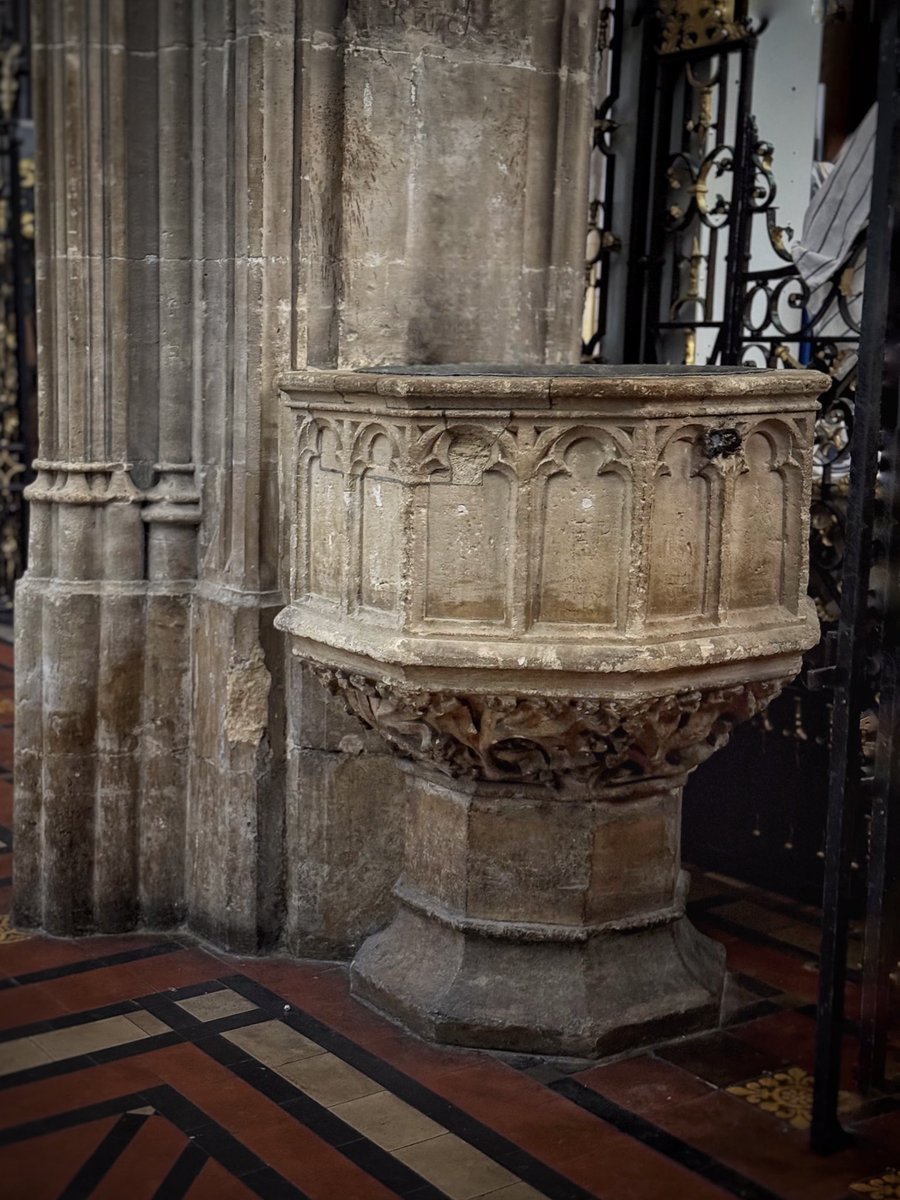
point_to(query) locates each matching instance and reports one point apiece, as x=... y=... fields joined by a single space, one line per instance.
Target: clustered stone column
x=102 y=615
x=553 y=594
x=228 y=190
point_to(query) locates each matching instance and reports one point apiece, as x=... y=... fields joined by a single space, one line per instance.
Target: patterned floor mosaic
x=140 y=1067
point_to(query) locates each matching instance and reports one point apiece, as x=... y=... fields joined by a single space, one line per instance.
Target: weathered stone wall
x=228 y=188
x=452 y=222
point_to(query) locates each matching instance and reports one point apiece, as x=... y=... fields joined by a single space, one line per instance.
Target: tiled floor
x=139 y=1067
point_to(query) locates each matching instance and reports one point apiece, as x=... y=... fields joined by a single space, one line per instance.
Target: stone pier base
x=543 y=925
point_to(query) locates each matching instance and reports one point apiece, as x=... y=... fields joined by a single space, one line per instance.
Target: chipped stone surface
x=247 y=698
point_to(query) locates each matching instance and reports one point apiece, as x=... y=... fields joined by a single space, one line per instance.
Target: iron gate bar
x=661 y=74
x=613 y=14
x=638 y=260
x=738 y=255
x=882 y=935
x=844 y=790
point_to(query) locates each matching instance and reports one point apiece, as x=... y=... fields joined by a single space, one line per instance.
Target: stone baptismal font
x=554 y=592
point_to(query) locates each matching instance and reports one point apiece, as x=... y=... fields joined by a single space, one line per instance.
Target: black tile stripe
x=154 y=950
x=803 y=914
x=6 y=881
x=183 y=1173
x=104 y=1158
x=528 y=1168
x=185 y=1030
x=207 y=988
x=210 y=1138
x=83 y=1062
x=70 y=1020
x=6 y=836
x=658 y=1139
x=163 y=1006
x=207 y=1035
x=374 y=1160
x=752 y=1012
x=755 y=937
x=758 y=987
x=216 y=1142
x=70 y=1118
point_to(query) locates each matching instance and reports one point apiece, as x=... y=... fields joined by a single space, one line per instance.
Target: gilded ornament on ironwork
x=9 y=79
x=690 y=24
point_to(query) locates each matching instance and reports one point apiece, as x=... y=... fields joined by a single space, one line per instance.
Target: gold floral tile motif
x=8 y=932
x=7 y=705
x=787 y=1095
x=879 y=1187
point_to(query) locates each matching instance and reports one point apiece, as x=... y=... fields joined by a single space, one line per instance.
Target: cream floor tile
x=21 y=1054
x=84 y=1039
x=328 y=1079
x=213 y=1005
x=455 y=1167
x=516 y=1191
x=273 y=1043
x=387 y=1121
x=148 y=1023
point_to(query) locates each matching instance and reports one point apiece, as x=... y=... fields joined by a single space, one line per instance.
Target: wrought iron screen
x=710 y=279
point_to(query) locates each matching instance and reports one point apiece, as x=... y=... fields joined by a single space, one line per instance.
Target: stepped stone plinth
x=554 y=593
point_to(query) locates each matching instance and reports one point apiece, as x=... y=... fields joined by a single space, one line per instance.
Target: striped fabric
x=840 y=207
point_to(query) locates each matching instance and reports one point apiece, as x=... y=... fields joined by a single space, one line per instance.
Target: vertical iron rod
x=738 y=257
x=827 y=1133
x=882 y=935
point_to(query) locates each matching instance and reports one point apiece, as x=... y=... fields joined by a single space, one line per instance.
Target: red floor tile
x=77 y=993
x=883 y=1132
x=281 y=1142
x=617 y=1173
x=783 y=971
x=644 y=1085
x=791 y=1035
x=40 y=953
x=63 y=1093
x=40 y=1168
x=760 y=1146
x=22 y=1006
x=214 y=1183
x=144 y=1164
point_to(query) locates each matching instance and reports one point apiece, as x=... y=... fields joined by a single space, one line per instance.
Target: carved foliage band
x=569 y=743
